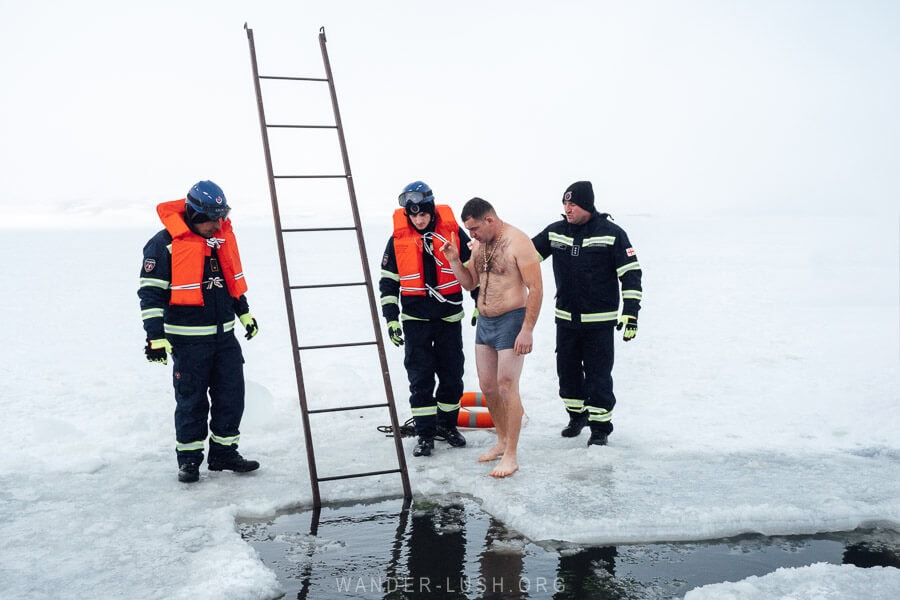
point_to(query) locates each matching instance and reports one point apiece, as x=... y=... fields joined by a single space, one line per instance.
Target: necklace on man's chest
x=486 y=264
x=487 y=258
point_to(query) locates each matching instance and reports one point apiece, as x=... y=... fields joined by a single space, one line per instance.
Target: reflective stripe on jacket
x=590 y=261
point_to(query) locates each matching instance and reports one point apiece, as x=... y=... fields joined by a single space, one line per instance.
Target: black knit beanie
x=582 y=194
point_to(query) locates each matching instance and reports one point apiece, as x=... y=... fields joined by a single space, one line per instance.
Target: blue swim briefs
x=500 y=332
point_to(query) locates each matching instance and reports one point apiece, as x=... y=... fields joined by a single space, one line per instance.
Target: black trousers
x=433 y=349
x=584 y=362
x=209 y=388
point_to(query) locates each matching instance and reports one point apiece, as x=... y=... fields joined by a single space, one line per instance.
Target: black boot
x=424 y=447
x=577 y=422
x=188 y=473
x=451 y=435
x=229 y=460
x=598 y=438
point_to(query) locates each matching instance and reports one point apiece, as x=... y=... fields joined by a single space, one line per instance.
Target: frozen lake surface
x=759 y=397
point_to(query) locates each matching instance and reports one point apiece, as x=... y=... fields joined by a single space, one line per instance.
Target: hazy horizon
x=697 y=107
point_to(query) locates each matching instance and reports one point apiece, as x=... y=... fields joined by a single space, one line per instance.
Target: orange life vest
x=189 y=251
x=408 y=250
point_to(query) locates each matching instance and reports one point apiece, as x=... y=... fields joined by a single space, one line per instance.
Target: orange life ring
x=472 y=399
x=469 y=414
x=474 y=419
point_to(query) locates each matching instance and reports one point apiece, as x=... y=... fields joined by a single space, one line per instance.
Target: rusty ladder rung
x=309 y=177
x=344 y=345
x=307 y=229
x=302 y=126
x=342 y=408
x=326 y=285
x=352 y=475
x=292 y=78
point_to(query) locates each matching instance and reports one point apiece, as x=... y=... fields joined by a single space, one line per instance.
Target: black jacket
x=184 y=324
x=589 y=261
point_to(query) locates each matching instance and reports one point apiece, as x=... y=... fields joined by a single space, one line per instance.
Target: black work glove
x=630 y=325
x=396 y=333
x=250 y=325
x=157 y=351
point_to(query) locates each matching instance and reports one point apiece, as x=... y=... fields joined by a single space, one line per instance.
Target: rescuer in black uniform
x=591 y=256
x=192 y=291
x=416 y=275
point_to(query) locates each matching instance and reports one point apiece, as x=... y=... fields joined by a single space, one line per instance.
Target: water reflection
x=501 y=567
x=447 y=548
x=587 y=573
x=436 y=552
x=868 y=554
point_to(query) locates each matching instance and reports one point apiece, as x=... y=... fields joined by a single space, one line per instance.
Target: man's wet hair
x=477 y=209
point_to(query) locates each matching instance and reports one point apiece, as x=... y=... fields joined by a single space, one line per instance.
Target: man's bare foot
x=492 y=454
x=505 y=468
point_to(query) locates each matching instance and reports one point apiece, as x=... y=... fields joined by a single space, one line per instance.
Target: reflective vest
x=189 y=251
x=408 y=251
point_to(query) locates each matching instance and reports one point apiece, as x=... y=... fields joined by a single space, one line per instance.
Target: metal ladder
x=289 y=289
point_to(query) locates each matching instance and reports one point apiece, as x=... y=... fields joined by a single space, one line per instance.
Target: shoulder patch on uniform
x=149 y=264
x=384 y=260
x=629 y=251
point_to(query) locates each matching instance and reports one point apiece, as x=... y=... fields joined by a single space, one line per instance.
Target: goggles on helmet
x=207 y=212
x=414 y=202
x=414 y=198
x=199 y=217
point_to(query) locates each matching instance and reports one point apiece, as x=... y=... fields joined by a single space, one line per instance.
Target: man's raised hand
x=449 y=248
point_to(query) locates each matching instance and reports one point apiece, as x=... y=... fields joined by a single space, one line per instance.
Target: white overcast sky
x=695 y=106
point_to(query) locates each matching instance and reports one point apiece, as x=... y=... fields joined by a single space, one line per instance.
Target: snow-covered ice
x=761 y=395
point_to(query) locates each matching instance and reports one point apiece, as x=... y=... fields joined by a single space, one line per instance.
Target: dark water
x=449 y=548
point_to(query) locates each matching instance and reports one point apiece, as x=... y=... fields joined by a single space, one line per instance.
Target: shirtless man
x=505 y=265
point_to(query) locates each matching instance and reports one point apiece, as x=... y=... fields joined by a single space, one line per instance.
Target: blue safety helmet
x=416 y=197
x=206 y=202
